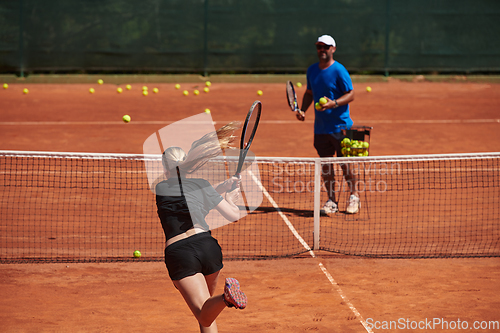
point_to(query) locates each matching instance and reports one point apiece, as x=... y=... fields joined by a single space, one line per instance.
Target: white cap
x=326 y=39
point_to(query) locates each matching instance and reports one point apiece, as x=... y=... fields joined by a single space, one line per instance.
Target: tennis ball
x=259 y=92
x=368 y=89
x=25 y=90
x=299 y=84
x=208 y=83
x=137 y=254
x=128 y=87
x=126 y=118
x=196 y=92
x=155 y=90
x=185 y=93
x=206 y=89
x=346 y=142
x=119 y=90
x=100 y=81
x=144 y=88
x=318 y=106
x=177 y=86
x=323 y=101
x=207 y=110
x=144 y=92
x=91 y=90
x=5 y=85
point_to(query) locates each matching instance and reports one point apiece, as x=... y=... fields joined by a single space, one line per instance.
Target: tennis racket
x=292 y=100
x=247 y=134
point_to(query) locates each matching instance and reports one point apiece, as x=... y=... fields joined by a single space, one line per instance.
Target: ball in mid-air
x=259 y=92
x=323 y=101
x=299 y=84
x=119 y=90
x=137 y=254
x=185 y=93
x=100 y=81
x=91 y=90
x=177 y=86
x=369 y=89
x=25 y=91
x=5 y=85
x=128 y=87
x=207 y=110
x=126 y=118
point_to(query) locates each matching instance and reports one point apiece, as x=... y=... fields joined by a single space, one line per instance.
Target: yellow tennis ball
x=155 y=90
x=91 y=90
x=259 y=92
x=25 y=90
x=5 y=85
x=206 y=89
x=208 y=83
x=126 y=118
x=144 y=88
x=128 y=87
x=323 y=101
x=119 y=90
x=137 y=254
x=318 y=106
x=100 y=81
x=207 y=110
x=368 y=89
x=185 y=93
x=299 y=84
x=144 y=92
x=196 y=92
x=177 y=86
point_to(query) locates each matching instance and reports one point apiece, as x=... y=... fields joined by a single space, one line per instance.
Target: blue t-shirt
x=332 y=82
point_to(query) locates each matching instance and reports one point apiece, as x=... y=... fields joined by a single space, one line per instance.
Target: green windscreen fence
x=224 y=36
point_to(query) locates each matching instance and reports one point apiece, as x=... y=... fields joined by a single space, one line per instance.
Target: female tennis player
x=192 y=256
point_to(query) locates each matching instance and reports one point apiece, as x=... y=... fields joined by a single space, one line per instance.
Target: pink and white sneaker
x=233 y=296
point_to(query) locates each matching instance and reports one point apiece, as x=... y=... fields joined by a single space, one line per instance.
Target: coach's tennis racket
x=247 y=134
x=292 y=100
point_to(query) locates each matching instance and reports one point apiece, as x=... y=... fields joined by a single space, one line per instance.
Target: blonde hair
x=209 y=146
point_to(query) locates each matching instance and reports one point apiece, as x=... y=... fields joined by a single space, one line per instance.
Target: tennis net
x=77 y=207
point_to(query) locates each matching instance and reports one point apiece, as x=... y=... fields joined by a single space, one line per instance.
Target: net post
x=317 y=198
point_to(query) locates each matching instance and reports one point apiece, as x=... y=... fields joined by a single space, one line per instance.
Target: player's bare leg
x=197 y=291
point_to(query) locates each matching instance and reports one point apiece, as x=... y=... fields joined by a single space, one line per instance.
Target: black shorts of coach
x=200 y=253
x=328 y=145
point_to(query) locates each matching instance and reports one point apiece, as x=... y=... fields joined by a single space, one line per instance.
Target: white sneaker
x=330 y=207
x=354 y=205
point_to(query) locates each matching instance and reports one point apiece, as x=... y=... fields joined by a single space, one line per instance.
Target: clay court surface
x=325 y=294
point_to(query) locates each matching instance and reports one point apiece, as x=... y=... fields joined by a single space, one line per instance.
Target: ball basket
x=356 y=142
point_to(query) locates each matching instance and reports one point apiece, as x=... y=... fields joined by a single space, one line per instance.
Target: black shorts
x=200 y=253
x=327 y=145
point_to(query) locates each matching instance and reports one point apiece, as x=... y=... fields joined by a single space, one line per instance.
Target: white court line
x=278 y=122
x=311 y=252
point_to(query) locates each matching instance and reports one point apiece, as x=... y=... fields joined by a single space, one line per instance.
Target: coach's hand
x=301 y=115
